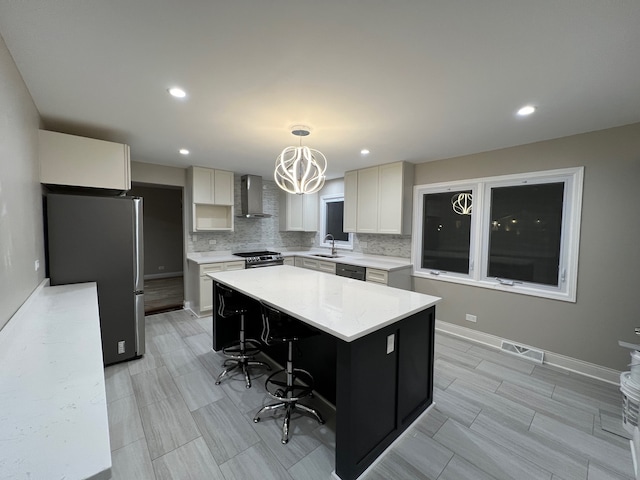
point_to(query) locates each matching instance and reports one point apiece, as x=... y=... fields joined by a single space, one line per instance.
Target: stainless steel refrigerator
x=99 y=239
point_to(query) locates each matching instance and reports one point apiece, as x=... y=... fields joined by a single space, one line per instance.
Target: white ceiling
x=414 y=80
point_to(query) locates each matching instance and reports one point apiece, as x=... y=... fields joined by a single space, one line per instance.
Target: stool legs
x=289 y=401
x=242 y=357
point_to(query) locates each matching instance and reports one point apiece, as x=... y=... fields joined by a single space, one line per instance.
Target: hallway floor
x=163 y=294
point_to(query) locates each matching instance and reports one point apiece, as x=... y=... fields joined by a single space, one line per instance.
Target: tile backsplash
x=263 y=233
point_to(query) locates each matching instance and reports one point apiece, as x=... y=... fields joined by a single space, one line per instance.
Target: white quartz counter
x=212 y=257
x=53 y=410
x=345 y=308
x=380 y=262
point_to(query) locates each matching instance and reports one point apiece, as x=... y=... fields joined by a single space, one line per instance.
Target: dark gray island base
x=380 y=382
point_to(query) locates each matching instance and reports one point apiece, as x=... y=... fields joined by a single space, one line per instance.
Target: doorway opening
x=163 y=247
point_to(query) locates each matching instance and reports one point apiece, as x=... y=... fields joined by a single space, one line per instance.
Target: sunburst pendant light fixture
x=300 y=169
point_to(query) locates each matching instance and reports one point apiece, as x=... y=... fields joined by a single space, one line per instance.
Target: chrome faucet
x=333 y=243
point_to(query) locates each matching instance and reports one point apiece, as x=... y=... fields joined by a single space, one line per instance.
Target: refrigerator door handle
x=138 y=246
x=139 y=318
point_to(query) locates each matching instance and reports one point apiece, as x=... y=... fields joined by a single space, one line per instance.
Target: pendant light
x=462 y=203
x=300 y=169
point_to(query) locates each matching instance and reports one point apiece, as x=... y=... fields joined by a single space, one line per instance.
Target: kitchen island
x=383 y=344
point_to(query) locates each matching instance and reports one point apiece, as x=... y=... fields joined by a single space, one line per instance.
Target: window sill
x=494 y=285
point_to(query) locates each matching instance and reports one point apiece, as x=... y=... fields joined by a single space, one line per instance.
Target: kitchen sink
x=325 y=255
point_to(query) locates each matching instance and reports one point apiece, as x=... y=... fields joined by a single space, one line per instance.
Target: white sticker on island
x=390 y=343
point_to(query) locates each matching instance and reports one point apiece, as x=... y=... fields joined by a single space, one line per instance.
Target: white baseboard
x=153 y=276
x=587 y=369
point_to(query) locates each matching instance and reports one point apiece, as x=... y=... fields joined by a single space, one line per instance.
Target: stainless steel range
x=263 y=258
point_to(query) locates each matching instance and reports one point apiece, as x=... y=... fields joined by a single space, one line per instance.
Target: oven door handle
x=265 y=264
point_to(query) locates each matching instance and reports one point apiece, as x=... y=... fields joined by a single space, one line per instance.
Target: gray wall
x=607 y=308
x=158 y=174
x=162 y=213
x=21 y=231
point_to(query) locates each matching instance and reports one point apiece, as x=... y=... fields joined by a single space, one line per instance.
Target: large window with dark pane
x=446 y=232
x=517 y=233
x=525 y=233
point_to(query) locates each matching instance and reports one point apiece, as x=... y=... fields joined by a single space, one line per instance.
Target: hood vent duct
x=251 y=197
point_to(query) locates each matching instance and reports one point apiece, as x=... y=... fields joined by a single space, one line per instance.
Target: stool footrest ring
x=278 y=388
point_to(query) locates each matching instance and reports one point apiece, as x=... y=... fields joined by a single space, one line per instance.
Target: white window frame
x=417 y=237
x=480 y=223
x=336 y=197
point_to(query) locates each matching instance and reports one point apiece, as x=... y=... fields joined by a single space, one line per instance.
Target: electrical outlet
x=160 y=267
x=37 y=265
x=391 y=340
x=471 y=318
x=121 y=347
x=212 y=242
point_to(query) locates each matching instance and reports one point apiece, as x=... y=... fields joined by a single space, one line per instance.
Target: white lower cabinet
x=328 y=267
x=314 y=264
x=201 y=302
x=377 y=276
x=396 y=278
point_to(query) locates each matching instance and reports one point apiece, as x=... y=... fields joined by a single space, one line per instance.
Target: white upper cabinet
x=367 y=210
x=223 y=187
x=212 y=199
x=211 y=187
x=84 y=162
x=298 y=213
x=379 y=199
x=350 y=201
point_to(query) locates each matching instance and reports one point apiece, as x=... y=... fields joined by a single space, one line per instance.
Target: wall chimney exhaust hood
x=251 y=197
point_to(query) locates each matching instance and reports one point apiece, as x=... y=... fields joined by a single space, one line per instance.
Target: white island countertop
x=53 y=408
x=346 y=308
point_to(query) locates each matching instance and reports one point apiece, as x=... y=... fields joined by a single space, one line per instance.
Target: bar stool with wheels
x=290 y=384
x=241 y=354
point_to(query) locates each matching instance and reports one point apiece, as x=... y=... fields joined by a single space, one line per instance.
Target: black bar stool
x=290 y=384
x=241 y=355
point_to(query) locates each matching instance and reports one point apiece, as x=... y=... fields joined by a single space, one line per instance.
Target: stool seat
x=290 y=384
x=242 y=353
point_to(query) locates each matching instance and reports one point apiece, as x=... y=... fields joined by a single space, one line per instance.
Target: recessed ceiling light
x=177 y=92
x=364 y=151
x=526 y=110
x=184 y=151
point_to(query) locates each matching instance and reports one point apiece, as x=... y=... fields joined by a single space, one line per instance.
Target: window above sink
x=331 y=221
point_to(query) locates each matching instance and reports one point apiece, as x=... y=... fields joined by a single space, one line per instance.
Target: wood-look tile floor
x=496 y=417
x=163 y=294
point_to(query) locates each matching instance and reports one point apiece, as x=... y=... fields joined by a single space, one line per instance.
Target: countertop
x=53 y=408
x=380 y=262
x=343 y=307
x=212 y=257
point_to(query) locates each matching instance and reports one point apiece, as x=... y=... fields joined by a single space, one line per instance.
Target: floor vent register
x=522 y=351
